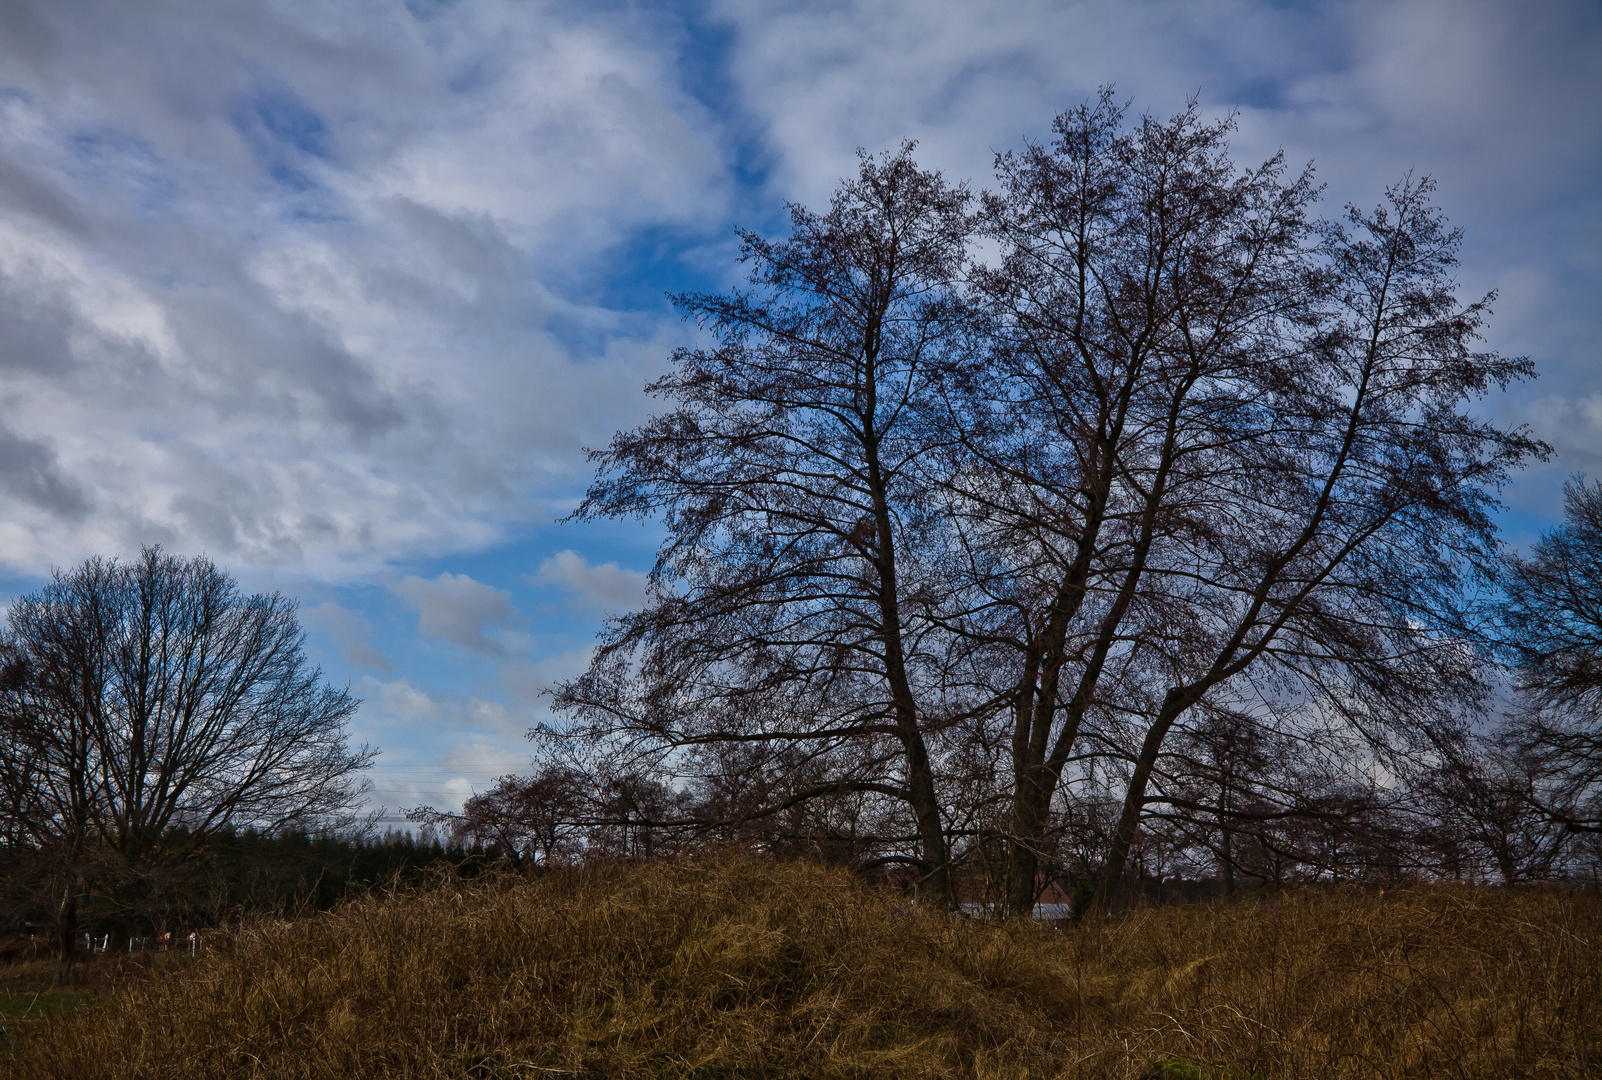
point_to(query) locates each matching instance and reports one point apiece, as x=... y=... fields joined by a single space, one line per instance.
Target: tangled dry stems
x=743 y=967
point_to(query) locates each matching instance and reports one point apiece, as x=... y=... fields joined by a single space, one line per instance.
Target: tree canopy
x=1130 y=492
x=148 y=704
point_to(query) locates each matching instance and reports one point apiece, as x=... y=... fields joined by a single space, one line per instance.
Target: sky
x=337 y=294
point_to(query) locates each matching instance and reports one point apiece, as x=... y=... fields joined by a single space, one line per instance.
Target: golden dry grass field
x=738 y=967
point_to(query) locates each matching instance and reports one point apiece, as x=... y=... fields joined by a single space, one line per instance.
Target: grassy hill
x=747 y=968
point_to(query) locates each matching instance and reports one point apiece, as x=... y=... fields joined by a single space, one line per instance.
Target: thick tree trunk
x=936 y=884
x=1023 y=864
x=925 y=800
x=1069 y=599
x=1035 y=775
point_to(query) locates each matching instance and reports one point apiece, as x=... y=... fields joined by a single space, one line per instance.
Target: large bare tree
x=1335 y=573
x=1146 y=293
x=1227 y=462
x=147 y=703
x=1181 y=456
x=794 y=598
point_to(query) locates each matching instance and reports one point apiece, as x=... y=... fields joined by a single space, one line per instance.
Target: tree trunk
x=1023 y=864
x=931 y=830
x=67 y=923
x=1135 y=798
x=1228 y=864
x=920 y=774
x=1226 y=840
x=1035 y=774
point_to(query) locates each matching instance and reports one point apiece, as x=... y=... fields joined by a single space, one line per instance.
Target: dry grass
x=746 y=968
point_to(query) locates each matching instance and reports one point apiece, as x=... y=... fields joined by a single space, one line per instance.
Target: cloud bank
x=277 y=283
x=332 y=288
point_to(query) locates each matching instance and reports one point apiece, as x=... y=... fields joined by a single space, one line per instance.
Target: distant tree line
x=229 y=873
x=1122 y=523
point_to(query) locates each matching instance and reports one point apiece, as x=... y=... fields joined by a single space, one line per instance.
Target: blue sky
x=337 y=293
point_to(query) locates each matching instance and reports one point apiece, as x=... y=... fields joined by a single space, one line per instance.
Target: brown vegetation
x=742 y=967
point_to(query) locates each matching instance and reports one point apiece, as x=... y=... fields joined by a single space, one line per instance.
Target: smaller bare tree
x=528 y=820
x=147 y=701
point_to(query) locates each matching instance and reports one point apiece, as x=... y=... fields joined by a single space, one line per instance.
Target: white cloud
x=440 y=747
x=455 y=608
x=273 y=283
x=530 y=681
x=1490 y=93
x=313 y=287
x=351 y=632
x=609 y=587
x=1573 y=427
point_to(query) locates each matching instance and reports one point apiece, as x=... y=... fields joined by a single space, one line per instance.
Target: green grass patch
x=22 y=1007
x=25 y=1014
x=1181 y=1069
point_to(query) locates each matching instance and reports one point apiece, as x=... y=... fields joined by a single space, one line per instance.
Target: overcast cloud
x=457 y=609
x=337 y=293
x=276 y=282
